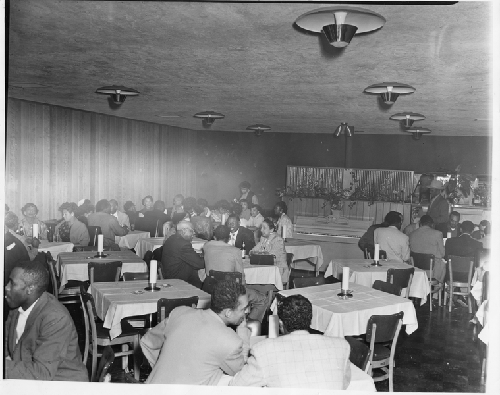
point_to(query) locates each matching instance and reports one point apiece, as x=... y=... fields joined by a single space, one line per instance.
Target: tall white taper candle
x=345 y=278
x=153 y=271
x=100 y=243
x=376 y=255
x=35 y=230
x=274 y=326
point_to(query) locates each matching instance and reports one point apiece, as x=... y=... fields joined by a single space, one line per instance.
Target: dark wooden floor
x=440 y=356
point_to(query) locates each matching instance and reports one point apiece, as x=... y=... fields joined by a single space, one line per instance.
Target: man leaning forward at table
x=194 y=346
x=298 y=359
x=394 y=242
x=41 y=342
x=221 y=256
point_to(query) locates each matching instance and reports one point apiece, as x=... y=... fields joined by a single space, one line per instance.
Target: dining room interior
x=291 y=102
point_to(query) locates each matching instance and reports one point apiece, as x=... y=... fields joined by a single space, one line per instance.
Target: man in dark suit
x=463 y=245
x=239 y=235
x=179 y=259
x=452 y=226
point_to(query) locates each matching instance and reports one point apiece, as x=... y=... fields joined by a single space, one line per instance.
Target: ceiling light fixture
x=389 y=91
x=340 y=23
x=417 y=132
x=344 y=128
x=209 y=117
x=407 y=118
x=259 y=129
x=117 y=93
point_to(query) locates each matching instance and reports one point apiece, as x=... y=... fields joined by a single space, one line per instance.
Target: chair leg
x=391 y=382
x=125 y=357
x=94 y=364
x=439 y=296
x=136 y=358
x=469 y=303
x=430 y=300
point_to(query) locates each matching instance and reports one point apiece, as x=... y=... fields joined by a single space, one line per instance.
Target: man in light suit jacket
x=122 y=218
x=194 y=346
x=41 y=342
x=394 y=242
x=298 y=359
x=239 y=234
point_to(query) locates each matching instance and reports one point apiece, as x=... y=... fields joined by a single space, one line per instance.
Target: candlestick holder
x=100 y=255
x=152 y=288
x=376 y=263
x=345 y=294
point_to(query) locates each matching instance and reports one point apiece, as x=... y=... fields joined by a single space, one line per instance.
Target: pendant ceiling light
x=117 y=93
x=417 y=132
x=407 y=118
x=259 y=129
x=344 y=128
x=389 y=91
x=340 y=23
x=209 y=117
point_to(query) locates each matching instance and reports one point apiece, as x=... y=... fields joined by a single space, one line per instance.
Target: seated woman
x=203 y=205
x=147 y=202
x=78 y=233
x=130 y=210
x=222 y=207
x=177 y=213
x=271 y=244
x=30 y=211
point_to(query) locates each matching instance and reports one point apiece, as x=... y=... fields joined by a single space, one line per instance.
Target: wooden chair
x=289 y=261
x=136 y=276
x=165 y=306
x=402 y=278
x=93 y=232
x=303 y=282
x=360 y=353
x=460 y=271
x=426 y=262
x=104 y=271
x=98 y=336
x=148 y=256
x=107 y=359
x=70 y=293
x=383 y=329
x=214 y=276
x=387 y=287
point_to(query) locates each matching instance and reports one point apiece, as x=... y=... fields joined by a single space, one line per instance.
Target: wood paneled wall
x=56 y=154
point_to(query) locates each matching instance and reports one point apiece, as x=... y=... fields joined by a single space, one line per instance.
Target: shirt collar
x=28 y=311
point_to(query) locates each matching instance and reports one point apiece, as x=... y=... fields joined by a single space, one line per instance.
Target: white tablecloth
x=115 y=301
x=302 y=250
x=349 y=317
x=55 y=248
x=131 y=238
x=152 y=243
x=74 y=265
x=255 y=274
x=361 y=272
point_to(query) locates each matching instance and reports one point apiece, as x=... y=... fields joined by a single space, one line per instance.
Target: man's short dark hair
x=128 y=204
x=295 y=312
x=393 y=218
x=102 y=205
x=159 y=205
x=233 y=216
x=70 y=206
x=35 y=273
x=225 y=295
x=467 y=227
x=281 y=204
x=146 y=197
x=202 y=202
x=245 y=184
x=270 y=223
x=222 y=233
x=11 y=220
x=426 y=220
x=259 y=209
x=455 y=213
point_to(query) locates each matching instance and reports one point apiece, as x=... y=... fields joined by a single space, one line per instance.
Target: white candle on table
x=345 y=278
x=448 y=235
x=100 y=243
x=273 y=326
x=376 y=256
x=284 y=231
x=223 y=219
x=153 y=271
x=35 y=230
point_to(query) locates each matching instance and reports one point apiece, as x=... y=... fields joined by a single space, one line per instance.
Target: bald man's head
x=185 y=229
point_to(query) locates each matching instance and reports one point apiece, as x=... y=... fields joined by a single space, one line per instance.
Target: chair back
x=265 y=260
x=401 y=278
x=460 y=268
x=165 y=306
x=422 y=261
x=135 y=276
x=54 y=279
x=226 y=276
x=93 y=232
x=383 y=327
x=147 y=257
x=387 y=287
x=302 y=282
x=89 y=318
x=157 y=253
x=84 y=248
x=104 y=271
x=360 y=353
x=107 y=359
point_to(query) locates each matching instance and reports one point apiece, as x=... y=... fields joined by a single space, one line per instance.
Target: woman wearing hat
x=439 y=207
x=247 y=194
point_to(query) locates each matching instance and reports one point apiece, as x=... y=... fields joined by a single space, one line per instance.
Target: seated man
x=484 y=230
x=195 y=346
x=452 y=226
x=366 y=241
x=179 y=259
x=239 y=235
x=463 y=245
x=298 y=359
x=15 y=250
x=41 y=339
x=109 y=224
x=123 y=219
x=256 y=218
x=220 y=256
x=427 y=240
x=391 y=239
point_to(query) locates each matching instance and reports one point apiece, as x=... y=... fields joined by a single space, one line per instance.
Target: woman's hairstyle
x=128 y=204
x=11 y=220
x=147 y=197
x=178 y=196
x=102 y=205
x=224 y=204
x=270 y=223
x=245 y=184
x=202 y=203
x=225 y=295
x=28 y=205
x=159 y=205
x=282 y=205
x=70 y=206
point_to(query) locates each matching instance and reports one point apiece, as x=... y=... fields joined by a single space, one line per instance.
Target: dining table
x=115 y=301
x=363 y=273
x=304 y=251
x=339 y=317
x=74 y=265
x=152 y=243
x=131 y=238
x=55 y=248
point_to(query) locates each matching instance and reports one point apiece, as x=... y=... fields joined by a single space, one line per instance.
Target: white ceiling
x=251 y=63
